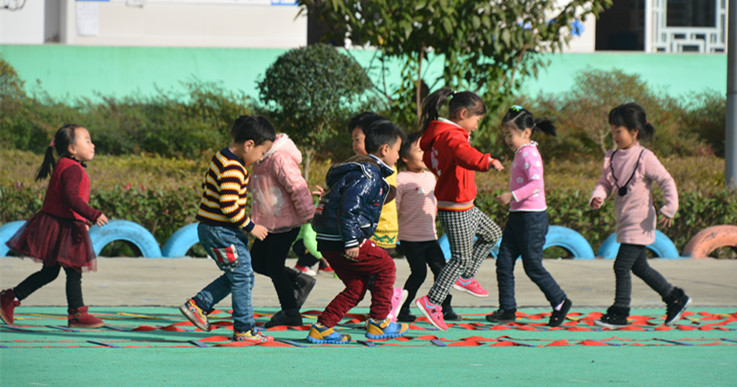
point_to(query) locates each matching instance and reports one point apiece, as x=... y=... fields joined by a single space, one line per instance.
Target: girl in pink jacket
x=527 y=226
x=282 y=203
x=628 y=174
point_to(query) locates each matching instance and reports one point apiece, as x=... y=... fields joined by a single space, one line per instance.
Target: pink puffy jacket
x=281 y=197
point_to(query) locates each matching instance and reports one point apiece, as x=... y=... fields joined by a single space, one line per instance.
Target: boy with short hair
x=345 y=219
x=223 y=224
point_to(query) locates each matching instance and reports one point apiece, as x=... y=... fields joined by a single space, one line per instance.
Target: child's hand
x=318 y=191
x=496 y=164
x=505 y=198
x=101 y=220
x=260 y=232
x=351 y=253
x=664 y=221
x=596 y=203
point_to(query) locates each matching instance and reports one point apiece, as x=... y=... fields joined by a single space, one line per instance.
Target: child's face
x=254 y=153
x=623 y=137
x=83 y=149
x=468 y=121
x=514 y=137
x=389 y=154
x=414 y=158
x=358 y=142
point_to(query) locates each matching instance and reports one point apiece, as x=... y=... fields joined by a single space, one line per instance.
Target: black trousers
x=47 y=274
x=268 y=257
x=420 y=255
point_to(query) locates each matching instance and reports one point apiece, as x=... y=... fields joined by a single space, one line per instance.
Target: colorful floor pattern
x=158 y=327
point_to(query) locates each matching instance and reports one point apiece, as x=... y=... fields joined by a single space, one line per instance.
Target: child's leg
x=377 y=262
x=271 y=253
x=460 y=227
x=305 y=258
x=356 y=285
x=74 y=288
x=488 y=234
x=36 y=280
x=532 y=229
x=414 y=252
x=241 y=280
x=627 y=255
x=505 y=261
x=652 y=277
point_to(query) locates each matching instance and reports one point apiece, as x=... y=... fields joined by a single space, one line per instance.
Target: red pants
x=372 y=262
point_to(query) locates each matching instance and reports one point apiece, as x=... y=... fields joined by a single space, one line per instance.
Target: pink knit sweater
x=636 y=215
x=416 y=206
x=526 y=180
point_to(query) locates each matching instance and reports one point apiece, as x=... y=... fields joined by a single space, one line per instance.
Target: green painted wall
x=83 y=71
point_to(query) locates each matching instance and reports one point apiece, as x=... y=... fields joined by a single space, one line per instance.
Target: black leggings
x=419 y=256
x=47 y=274
x=268 y=258
x=633 y=258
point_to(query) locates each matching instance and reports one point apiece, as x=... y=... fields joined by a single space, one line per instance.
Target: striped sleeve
x=225 y=193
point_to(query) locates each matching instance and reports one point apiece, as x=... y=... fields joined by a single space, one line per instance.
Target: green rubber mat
x=157 y=345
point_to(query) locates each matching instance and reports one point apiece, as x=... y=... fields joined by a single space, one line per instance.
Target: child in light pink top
x=418 y=238
x=628 y=174
x=527 y=226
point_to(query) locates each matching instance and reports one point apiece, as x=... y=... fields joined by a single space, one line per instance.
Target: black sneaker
x=501 y=316
x=615 y=318
x=677 y=302
x=448 y=313
x=302 y=287
x=289 y=317
x=406 y=317
x=558 y=316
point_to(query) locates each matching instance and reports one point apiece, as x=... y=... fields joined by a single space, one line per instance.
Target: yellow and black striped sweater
x=225 y=187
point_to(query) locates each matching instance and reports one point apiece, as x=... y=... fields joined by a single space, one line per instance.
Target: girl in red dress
x=58 y=235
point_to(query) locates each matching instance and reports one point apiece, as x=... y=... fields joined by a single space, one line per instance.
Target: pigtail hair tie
x=53 y=143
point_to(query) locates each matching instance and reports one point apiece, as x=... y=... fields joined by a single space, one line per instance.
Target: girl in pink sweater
x=629 y=172
x=527 y=226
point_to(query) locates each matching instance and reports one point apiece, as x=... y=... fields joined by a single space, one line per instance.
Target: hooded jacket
x=349 y=210
x=449 y=156
x=281 y=197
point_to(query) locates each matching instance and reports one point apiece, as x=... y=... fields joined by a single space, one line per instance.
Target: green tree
x=486 y=46
x=309 y=91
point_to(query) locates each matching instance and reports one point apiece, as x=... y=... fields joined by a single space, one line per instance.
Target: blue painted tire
x=124 y=230
x=445 y=246
x=6 y=232
x=570 y=240
x=181 y=241
x=557 y=236
x=663 y=247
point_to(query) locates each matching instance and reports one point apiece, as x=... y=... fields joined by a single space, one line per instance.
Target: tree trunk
x=309 y=153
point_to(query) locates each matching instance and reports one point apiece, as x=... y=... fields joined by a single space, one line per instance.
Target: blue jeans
x=525 y=235
x=237 y=281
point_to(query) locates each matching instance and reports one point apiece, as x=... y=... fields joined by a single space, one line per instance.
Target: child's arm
x=604 y=187
x=290 y=177
x=655 y=171
x=469 y=157
x=349 y=214
x=532 y=167
x=233 y=177
x=70 y=179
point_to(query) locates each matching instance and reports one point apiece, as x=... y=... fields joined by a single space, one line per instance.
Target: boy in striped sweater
x=224 y=224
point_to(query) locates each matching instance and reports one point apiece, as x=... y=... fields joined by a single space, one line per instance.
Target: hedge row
x=163 y=212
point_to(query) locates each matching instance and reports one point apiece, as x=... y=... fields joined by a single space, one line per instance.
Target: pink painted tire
x=710 y=239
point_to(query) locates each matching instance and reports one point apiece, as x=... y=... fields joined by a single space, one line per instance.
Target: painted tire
x=557 y=236
x=6 y=232
x=570 y=240
x=124 y=230
x=445 y=246
x=181 y=241
x=663 y=247
x=710 y=239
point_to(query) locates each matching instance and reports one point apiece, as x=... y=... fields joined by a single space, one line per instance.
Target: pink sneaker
x=398 y=298
x=470 y=286
x=434 y=313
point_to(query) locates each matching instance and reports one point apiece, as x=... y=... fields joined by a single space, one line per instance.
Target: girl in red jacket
x=449 y=155
x=58 y=235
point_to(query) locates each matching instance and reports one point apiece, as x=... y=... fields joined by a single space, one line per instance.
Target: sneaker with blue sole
x=385 y=329
x=320 y=334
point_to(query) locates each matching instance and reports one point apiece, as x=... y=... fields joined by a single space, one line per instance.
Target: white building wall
x=24 y=25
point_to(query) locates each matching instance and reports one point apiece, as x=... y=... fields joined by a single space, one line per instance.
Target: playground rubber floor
x=157 y=345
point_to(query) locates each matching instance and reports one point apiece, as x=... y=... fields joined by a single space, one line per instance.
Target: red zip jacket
x=450 y=156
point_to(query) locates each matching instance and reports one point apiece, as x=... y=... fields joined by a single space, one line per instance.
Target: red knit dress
x=58 y=233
